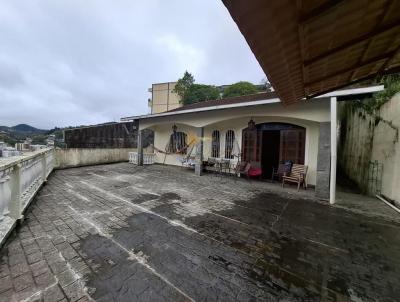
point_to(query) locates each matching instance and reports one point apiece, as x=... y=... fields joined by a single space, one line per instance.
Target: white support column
x=332 y=194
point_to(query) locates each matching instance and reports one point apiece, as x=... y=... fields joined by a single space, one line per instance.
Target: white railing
x=148 y=158
x=133 y=157
x=20 y=179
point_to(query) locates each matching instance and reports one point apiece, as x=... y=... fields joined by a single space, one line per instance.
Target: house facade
x=257 y=128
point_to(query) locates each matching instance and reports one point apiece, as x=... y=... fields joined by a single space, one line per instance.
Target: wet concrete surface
x=158 y=233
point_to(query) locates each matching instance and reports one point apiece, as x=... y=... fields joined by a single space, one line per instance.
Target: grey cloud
x=10 y=76
x=73 y=62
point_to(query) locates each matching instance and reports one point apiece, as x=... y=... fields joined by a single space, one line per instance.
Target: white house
x=256 y=128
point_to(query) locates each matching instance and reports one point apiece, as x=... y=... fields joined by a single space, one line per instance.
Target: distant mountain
x=26 y=128
x=22 y=128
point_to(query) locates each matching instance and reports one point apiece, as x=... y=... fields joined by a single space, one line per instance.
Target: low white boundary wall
x=77 y=157
x=20 y=180
x=22 y=177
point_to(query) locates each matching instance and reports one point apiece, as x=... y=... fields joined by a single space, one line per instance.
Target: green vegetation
x=184 y=84
x=199 y=92
x=58 y=132
x=7 y=139
x=372 y=106
x=190 y=92
x=240 y=88
x=392 y=86
x=19 y=133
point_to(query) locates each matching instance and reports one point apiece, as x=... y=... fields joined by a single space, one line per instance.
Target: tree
x=392 y=86
x=266 y=85
x=183 y=84
x=190 y=92
x=198 y=93
x=240 y=88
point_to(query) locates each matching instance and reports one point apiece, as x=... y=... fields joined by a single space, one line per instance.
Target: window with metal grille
x=215 y=144
x=177 y=143
x=229 y=141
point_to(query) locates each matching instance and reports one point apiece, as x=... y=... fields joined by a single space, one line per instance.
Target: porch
x=156 y=233
x=271 y=141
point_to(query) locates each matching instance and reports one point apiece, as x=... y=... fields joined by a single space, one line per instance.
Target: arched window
x=177 y=143
x=229 y=141
x=215 y=144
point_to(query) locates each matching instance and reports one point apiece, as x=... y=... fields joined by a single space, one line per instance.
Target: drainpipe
x=388 y=203
x=332 y=188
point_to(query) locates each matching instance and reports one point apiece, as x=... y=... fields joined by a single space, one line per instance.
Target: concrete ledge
x=6 y=226
x=77 y=157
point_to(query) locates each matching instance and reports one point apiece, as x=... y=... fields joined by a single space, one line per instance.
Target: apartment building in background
x=163 y=98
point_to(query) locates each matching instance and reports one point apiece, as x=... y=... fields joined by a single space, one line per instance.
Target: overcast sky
x=74 y=62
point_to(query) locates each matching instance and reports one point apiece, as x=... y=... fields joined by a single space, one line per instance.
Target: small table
x=222 y=165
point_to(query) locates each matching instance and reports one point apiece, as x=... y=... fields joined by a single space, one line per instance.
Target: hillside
x=22 y=128
x=20 y=132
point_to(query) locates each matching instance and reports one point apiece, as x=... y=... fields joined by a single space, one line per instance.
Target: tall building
x=163 y=98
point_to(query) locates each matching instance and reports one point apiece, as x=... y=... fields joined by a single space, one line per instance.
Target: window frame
x=215 y=143
x=230 y=137
x=177 y=143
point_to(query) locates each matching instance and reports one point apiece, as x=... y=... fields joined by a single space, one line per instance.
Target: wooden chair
x=224 y=166
x=283 y=169
x=212 y=165
x=188 y=160
x=297 y=175
x=242 y=168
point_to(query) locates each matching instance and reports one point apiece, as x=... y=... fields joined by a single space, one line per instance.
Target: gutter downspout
x=388 y=203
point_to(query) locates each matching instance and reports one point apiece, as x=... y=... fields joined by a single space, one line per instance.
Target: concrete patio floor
x=159 y=233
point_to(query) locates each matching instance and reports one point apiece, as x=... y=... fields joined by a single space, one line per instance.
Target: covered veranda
x=300 y=134
x=310 y=48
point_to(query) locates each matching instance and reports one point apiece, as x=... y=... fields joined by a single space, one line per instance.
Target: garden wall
x=368 y=142
x=77 y=157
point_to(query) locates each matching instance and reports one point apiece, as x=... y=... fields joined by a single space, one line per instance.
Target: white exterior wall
x=162 y=135
x=386 y=151
x=237 y=125
x=366 y=142
x=307 y=114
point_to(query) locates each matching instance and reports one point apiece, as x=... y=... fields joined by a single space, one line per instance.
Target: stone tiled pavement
x=157 y=233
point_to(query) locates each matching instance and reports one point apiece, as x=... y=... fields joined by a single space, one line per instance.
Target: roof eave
x=345 y=92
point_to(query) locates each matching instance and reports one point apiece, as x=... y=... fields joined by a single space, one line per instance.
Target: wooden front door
x=292 y=145
x=251 y=145
x=262 y=149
